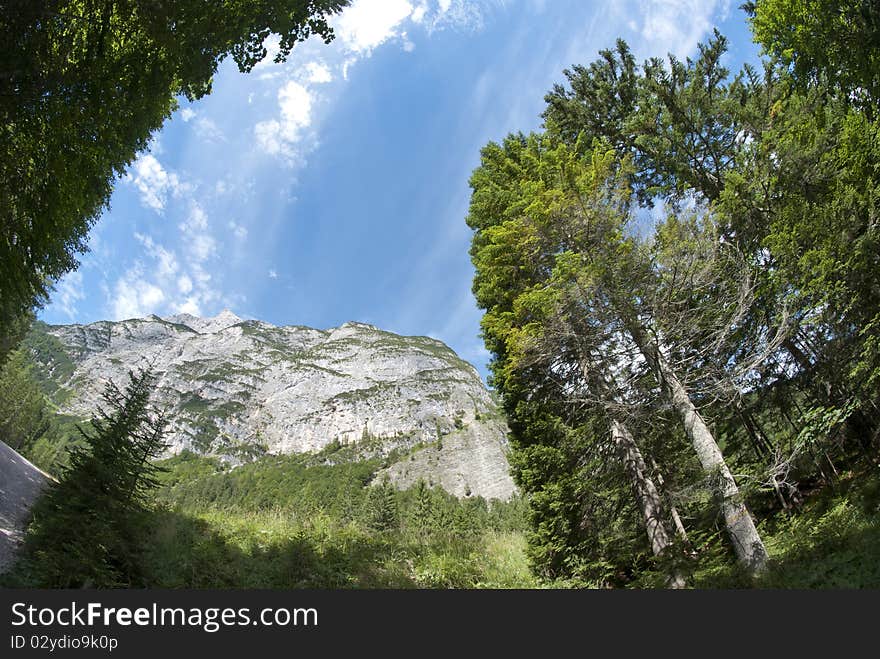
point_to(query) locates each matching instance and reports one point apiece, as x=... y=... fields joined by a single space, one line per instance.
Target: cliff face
x=241 y=388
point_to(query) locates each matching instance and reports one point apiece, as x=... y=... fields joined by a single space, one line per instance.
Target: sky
x=334 y=187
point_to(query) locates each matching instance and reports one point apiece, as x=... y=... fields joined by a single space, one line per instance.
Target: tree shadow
x=181 y=551
x=847 y=559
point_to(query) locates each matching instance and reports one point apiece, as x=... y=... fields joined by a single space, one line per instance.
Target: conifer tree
x=86 y=527
x=423 y=507
x=554 y=245
x=383 y=506
x=23 y=414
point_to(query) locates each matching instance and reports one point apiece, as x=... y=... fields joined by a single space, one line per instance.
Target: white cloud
x=677 y=26
x=279 y=136
x=272 y=44
x=360 y=28
x=190 y=306
x=134 y=297
x=162 y=282
x=208 y=130
x=202 y=246
x=366 y=24
x=199 y=241
x=68 y=292
x=461 y=14
x=419 y=11
x=238 y=231
x=167 y=264
x=154 y=182
x=273 y=274
x=268 y=135
x=187 y=113
x=184 y=284
x=296 y=106
x=318 y=73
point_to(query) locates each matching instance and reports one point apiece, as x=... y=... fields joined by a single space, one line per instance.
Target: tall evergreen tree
x=86 y=527
x=560 y=231
x=383 y=507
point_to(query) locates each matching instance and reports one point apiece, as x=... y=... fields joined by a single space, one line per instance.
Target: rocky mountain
x=241 y=388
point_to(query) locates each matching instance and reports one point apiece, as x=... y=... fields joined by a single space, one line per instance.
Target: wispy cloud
x=134 y=297
x=361 y=28
x=68 y=292
x=207 y=129
x=173 y=275
x=154 y=183
x=366 y=24
x=280 y=136
x=670 y=26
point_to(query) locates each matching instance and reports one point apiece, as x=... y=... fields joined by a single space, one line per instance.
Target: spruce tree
x=423 y=507
x=383 y=506
x=87 y=526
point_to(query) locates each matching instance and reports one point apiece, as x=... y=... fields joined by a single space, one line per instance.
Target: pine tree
x=87 y=526
x=383 y=506
x=423 y=507
x=572 y=301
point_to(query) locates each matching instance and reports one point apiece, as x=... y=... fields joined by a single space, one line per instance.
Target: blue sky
x=334 y=187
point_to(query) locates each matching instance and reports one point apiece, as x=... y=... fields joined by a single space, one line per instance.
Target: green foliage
x=23 y=414
x=762 y=293
x=287 y=522
x=52 y=366
x=680 y=121
x=831 y=543
x=382 y=503
x=13 y=332
x=838 y=41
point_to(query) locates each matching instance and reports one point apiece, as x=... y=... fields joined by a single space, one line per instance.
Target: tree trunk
x=740 y=527
x=646 y=494
x=673 y=511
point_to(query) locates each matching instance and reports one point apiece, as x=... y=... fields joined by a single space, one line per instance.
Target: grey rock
x=467 y=462
x=239 y=388
x=20 y=485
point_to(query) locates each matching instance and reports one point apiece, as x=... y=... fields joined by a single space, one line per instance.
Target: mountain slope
x=242 y=388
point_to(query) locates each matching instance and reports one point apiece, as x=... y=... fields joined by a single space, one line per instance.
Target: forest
x=678 y=275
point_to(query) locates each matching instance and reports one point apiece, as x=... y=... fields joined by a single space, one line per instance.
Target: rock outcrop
x=241 y=388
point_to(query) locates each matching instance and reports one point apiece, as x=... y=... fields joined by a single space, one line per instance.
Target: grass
x=833 y=542
x=299 y=522
x=275 y=549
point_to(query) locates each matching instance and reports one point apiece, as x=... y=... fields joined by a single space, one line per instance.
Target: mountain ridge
x=240 y=388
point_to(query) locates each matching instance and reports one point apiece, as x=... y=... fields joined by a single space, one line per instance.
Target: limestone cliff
x=241 y=388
